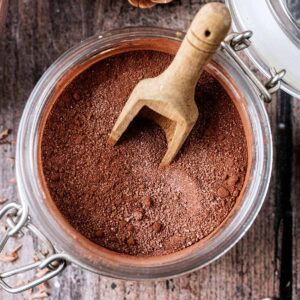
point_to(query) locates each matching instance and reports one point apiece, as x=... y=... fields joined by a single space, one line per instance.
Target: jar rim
x=32 y=195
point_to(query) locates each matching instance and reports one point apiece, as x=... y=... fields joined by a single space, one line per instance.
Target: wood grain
x=36 y=33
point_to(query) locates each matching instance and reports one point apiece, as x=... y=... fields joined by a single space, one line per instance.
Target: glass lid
x=276 y=36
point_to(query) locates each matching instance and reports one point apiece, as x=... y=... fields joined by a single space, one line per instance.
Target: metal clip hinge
x=17 y=219
x=235 y=42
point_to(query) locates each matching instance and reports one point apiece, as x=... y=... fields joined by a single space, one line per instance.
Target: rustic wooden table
x=265 y=263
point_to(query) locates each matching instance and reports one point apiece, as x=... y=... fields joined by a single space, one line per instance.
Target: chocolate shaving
x=5 y=142
x=11 y=159
x=30 y=291
x=35 y=258
x=147 y=3
x=4 y=134
x=3 y=200
x=12 y=180
x=12 y=256
x=39 y=295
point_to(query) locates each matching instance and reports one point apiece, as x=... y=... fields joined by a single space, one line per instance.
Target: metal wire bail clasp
x=17 y=220
x=235 y=42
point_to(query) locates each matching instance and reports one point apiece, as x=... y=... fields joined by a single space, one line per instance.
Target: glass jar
x=100 y=260
x=71 y=246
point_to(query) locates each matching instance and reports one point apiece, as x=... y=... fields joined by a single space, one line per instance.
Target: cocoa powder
x=117 y=196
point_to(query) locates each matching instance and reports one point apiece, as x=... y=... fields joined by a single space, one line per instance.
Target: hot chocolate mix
x=117 y=196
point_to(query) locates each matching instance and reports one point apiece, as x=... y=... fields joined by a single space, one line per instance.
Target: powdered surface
x=116 y=196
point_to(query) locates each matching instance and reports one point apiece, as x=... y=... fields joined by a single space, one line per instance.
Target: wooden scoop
x=168 y=99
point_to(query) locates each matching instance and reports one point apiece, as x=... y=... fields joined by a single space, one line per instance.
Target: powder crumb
x=138 y=215
x=99 y=233
x=235 y=193
x=123 y=223
x=76 y=96
x=157 y=227
x=224 y=177
x=130 y=241
x=55 y=177
x=130 y=227
x=233 y=179
x=222 y=192
x=147 y=202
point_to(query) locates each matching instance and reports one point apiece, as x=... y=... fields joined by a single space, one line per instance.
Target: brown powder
x=116 y=196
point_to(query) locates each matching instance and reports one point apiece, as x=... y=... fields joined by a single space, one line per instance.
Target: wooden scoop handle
x=209 y=28
x=207 y=31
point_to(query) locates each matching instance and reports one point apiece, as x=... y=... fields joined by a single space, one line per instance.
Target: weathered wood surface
x=36 y=33
x=295 y=199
